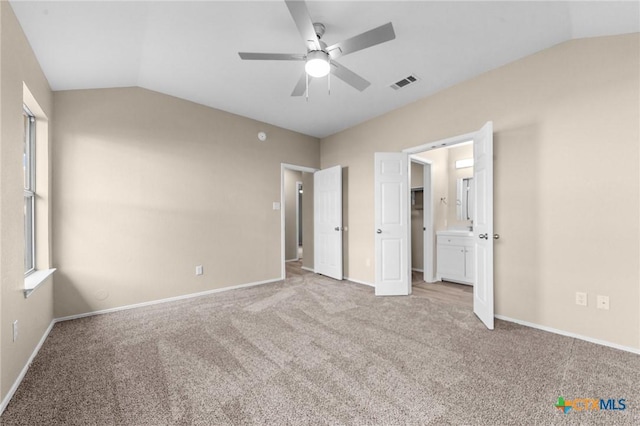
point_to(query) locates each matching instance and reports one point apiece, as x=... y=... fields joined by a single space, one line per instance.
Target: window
x=28 y=166
x=36 y=188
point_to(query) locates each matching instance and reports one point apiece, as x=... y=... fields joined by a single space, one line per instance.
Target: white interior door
x=327 y=207
x=483 y=224
x=392 y=224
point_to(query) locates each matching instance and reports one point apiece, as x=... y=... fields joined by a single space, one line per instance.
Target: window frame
x=29 y=183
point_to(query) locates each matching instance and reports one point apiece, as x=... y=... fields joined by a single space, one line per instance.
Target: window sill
x=34 y=279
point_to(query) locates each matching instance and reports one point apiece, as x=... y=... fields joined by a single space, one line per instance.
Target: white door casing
x=483 y=224
x=327 y=207
x=428 y=233
x=392 y=224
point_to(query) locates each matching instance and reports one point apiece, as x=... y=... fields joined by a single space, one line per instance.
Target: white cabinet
x=455 y=260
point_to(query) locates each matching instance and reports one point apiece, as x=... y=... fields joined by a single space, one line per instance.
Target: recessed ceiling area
x=190 y=49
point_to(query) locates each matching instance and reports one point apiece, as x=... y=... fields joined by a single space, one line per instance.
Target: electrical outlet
x=581 y=298
x=603 y=302
x=15 y=330
x=199 y=270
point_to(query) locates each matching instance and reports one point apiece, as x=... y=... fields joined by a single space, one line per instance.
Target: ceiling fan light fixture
x=317 y=64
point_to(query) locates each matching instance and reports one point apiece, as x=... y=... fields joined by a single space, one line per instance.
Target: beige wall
x=148 y=186
x=417 y=175
x=566 y=131
x=17 y=66
x=291 y=178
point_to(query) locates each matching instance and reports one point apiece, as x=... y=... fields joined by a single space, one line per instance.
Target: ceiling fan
x=320 y=58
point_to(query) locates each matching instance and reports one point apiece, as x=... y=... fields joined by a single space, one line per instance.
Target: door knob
x=496 y=236
x=337 y=228
x=379 y=231
x=483 y=236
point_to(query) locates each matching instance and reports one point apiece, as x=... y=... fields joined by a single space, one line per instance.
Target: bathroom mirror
x=464 y=199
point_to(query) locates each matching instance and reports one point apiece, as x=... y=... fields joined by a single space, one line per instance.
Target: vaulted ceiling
x=190 y=49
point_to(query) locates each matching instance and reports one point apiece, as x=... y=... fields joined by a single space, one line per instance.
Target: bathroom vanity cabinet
x=455 y=260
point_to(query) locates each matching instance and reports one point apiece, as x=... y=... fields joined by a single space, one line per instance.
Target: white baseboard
x=359 y=282
x=308 y=269
x=417 y=270
x=291 y=260
x=20 y=377
x=569 y=334
x=167 y=300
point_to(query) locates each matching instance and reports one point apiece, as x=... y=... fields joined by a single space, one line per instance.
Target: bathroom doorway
x=442 y=200
x=467 y=257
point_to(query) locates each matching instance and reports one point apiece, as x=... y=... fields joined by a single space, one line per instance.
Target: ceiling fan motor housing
x=319 y=29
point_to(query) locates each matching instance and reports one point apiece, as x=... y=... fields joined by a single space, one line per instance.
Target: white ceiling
x=189 y=49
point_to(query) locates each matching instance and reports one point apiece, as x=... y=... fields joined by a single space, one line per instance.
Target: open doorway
x=392 y=183
x=441 y=208
x=296 y=219
x=321 y=217
x=464 y=248
x=293 y=203
x=442 y=200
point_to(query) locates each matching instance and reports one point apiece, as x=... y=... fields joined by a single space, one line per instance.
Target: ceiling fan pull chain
x=307 y=80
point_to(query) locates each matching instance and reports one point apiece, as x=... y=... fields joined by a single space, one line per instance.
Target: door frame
x=296 y=168
x=428 y=240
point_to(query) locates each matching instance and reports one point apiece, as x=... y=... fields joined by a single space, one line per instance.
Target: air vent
x=404 y=82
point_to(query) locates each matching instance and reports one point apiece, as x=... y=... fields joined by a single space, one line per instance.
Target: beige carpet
x=315 y=351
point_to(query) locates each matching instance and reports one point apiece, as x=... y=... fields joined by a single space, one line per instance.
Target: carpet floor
x=311 y=350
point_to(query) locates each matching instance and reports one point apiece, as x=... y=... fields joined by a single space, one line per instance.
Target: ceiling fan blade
x=301 y=17
x=272 y=56
x=348 y=76
x=369 y=38
x=301 y=86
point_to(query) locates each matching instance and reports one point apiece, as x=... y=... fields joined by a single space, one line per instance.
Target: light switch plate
x=581 y=298
x=276 y=205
